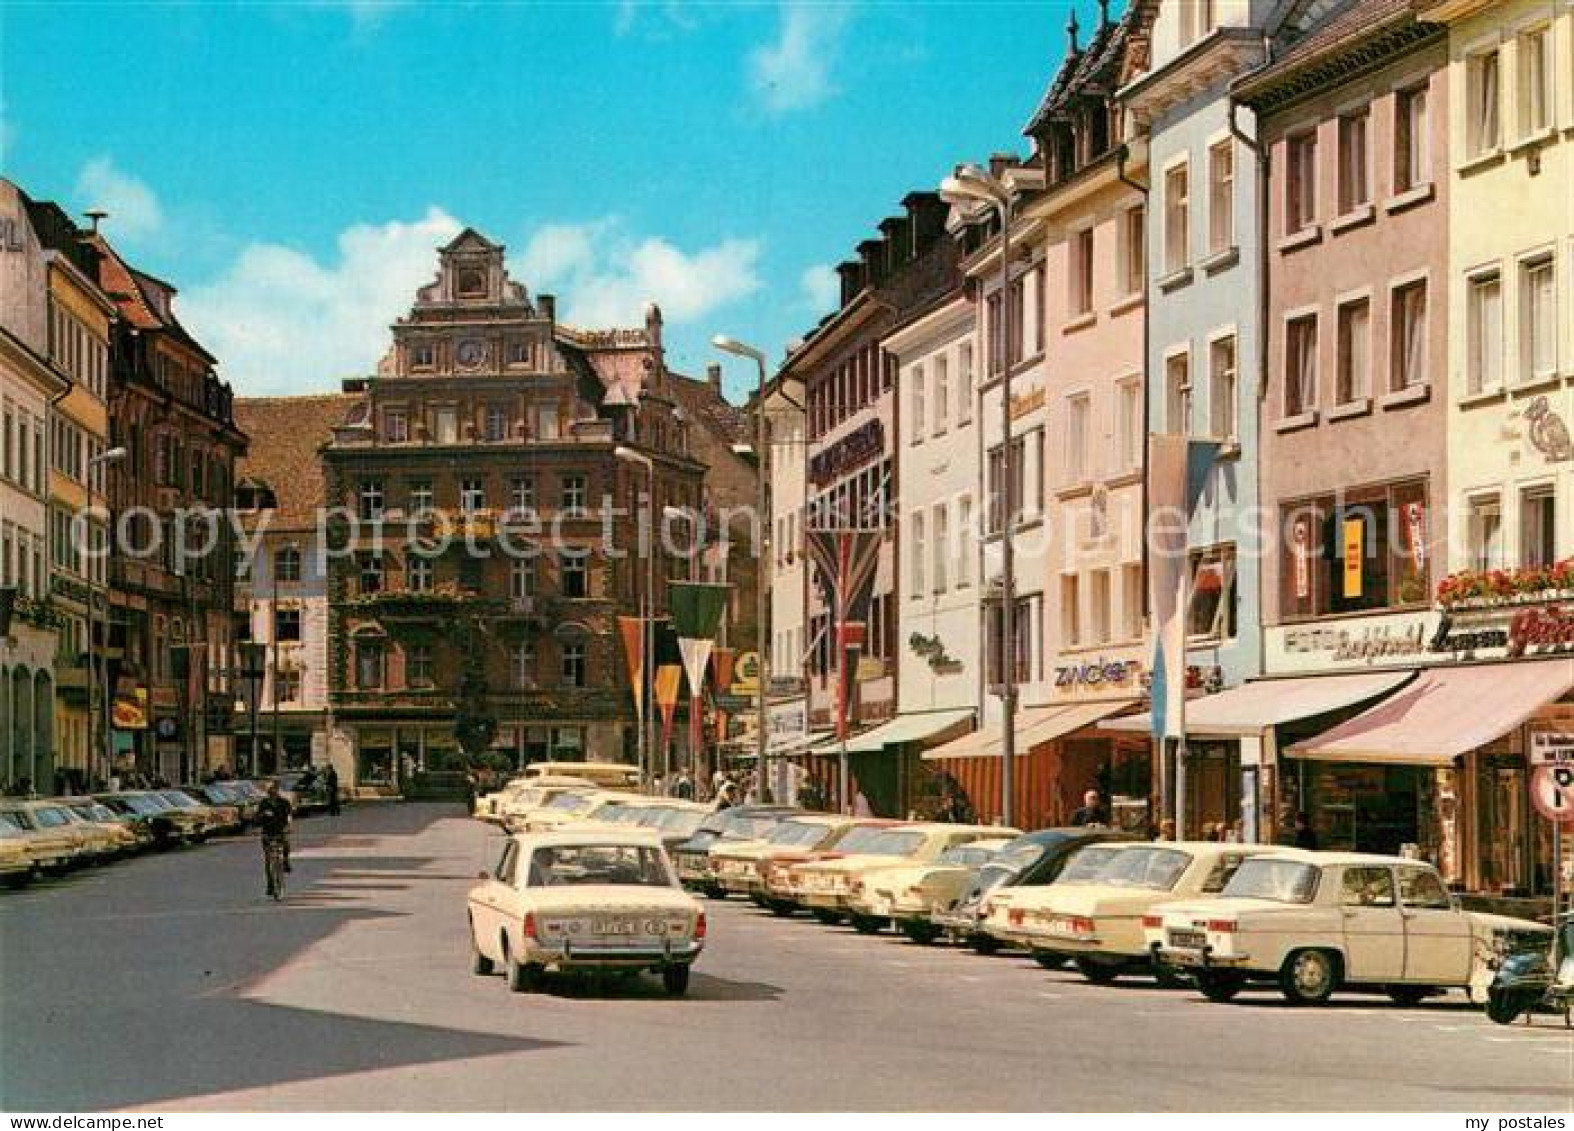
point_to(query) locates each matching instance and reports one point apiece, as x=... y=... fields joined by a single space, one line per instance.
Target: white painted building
x=787 y=566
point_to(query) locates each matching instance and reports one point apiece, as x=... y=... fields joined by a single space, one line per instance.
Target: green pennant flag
x=696 y=608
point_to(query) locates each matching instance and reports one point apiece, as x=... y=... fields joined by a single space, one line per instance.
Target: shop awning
x=1035 y=726
x=1446 y=712
x=918 y=726
x=1253 y=708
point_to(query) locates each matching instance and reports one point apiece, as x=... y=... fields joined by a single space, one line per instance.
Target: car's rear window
x=579 y=865
x=1281 y=881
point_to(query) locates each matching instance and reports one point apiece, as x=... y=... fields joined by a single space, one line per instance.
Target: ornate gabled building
x=488 y=537
x=172 y=563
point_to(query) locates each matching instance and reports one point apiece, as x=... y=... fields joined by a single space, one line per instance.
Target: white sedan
x=602 y=900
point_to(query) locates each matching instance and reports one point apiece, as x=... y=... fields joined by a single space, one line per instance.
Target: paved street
x=168 y=982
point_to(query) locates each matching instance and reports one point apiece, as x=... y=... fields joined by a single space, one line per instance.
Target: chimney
x=852 y=276
x=547 y=304
x=872 y=253
x=94 y=215
x=713 y=375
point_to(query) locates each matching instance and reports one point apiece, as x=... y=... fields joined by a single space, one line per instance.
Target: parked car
x=529 y=791
x=565 y=901
x=741 y=822
x=828 y=887
x=607 y=775
x=229 y=793
x=1032 y=860
x=568 y=809
x=16 y=862
x=909 y=894
x=1099 y=926
x=215 y=818
x=1002 y=916
x=533 y=798
x=121 y=835
x=304 y=790
x=1314 y=923
x=166 y=824
x=738 y=865
x=53 y=839
x=780 y=875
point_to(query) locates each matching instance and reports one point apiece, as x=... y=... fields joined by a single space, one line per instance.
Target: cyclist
x=273 y=818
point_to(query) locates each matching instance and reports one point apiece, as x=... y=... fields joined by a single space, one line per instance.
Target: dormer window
x=471 y=283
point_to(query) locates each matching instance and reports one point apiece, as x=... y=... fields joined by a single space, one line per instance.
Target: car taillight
x=858 y=885
x=1152 y=922
x=699 y=926
x=1015 y=916
x=1222 y=926
x=1081 y=925
x=530 y=924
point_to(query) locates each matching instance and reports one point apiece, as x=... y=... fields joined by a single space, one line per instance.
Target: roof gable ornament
x=1071 y=33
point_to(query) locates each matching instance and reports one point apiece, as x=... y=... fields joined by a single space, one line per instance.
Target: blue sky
x=291 y=166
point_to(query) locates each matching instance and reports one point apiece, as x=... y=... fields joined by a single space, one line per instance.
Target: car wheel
x=19 y=879
x=675 y=980
x=480 y=964
x=715 y=892
x=829 y=918
x=1409 y=995
x=984 y=944
x=1167 y=976
x=867 y=924
x=1047 y=960
x=1218 y=985
x=924 y=934
x=780 y=908
x=1099 y=973
x=523 y=977
x=1309 y=977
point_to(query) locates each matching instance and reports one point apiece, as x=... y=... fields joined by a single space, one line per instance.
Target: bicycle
x=273 y=865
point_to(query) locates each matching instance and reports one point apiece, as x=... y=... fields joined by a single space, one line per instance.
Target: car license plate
x=614 y=927
x=1188 y=940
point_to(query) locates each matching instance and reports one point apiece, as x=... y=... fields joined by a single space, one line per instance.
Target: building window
x=423 y=355
x=1080 y=285
x=1133 y=250
x=573 y=665
x=1098 y=607
x=1197 y=20
x=1538 y=527
x=1355 y=339
x=396 y=425
x=1355 y=164
x=916 y=401
x=546 y=421
x=966 y=533
x=1300 y=365
x=1361 y=551
x=574 y=574
x=472 y=495
x=418 y=572
x=1131 y=598
x=941 y=540
x=1071 y=611
x=1221 y=196
x=1481 y=103
x=1300 y=202
x=1177 y=394
x=1211 y=615
x=369 y=665
x=287 y=564
x=1177 y=219
x=286 y=625
x=420 y=495
x=942 y=398
x=1484 y=327
x=522 y=661
x=573 y=493
x=1130 y=424
x=496 y=423
x=518 y=352
x=1538 y=328
x=522 y=578
x=1222 y=392
x=447 y=421
x=1413 y=145
x=1079 y=423
x=1408 y=327
x=287 y=685
x=1486 y=532
x=371 y=499
x=522 y=494
x=964 y=383
x=1533 y=64
x=418 y=665
x=915 y=561
x=370 y=568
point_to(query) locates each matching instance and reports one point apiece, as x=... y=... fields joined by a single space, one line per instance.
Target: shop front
x=886 y=763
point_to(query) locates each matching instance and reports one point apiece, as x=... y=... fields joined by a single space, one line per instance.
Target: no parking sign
x=1552 y=791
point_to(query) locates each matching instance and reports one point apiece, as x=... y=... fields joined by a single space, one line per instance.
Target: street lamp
x=761 y=553
x=970 y=187
x=647 y=612
x=253 y=664
x=98 y=593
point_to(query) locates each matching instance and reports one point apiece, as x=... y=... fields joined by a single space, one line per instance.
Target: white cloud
x=368 y=13
x=133 y=207
x=280 y=321
x=605 y=276
x=794 y=71
x=661 y=20
x=821 y=287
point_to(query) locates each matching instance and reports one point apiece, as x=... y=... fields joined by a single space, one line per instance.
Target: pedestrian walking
x=1305 y=835
x=683 y=788
x=1092 y=811
x=330 y=782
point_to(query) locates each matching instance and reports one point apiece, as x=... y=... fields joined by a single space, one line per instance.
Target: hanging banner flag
x=721 y=662
x=1415 y=524
x=1354 y=530
x=669 y=678
x=1177 y=473
x=632 y=630
x=845 y=563
x=697 y=608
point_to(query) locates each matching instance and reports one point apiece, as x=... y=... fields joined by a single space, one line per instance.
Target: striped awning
x=1035 y=727
x=918 y=726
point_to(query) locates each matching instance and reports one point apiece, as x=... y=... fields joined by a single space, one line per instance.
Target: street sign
x=1552 y=791
x=733 y=704
x=1552 y=748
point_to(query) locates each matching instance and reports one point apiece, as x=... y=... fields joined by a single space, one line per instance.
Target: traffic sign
x=1551 y=748
x=1552 y=791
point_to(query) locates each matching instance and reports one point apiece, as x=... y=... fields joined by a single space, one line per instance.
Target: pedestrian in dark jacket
x=1305 y=835
x=330 y=782
x=1092 y=812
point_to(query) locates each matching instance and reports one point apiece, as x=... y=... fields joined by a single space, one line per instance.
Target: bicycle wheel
x=275 y=868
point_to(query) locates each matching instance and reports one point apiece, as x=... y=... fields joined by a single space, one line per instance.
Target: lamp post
x=971 y=186
x=647 y=741
x=98 y=594
x=253 y=660
x=761 y=554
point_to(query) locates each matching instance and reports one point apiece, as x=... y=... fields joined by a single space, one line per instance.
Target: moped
x=1536 y=977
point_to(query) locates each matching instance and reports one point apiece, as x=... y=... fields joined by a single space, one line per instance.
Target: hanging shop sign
x=855 y=449
x=1354 y=543
x=1024 y=404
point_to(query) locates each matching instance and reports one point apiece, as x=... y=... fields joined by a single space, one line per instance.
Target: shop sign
x=1354 y=555
x=787 y=725
x=130 y=712
x=1029 y=402
x=1551 y=748
x=167 y=728
x=746 y=674
x=1301 y=536
x=1097 y=673
x=856 y=448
